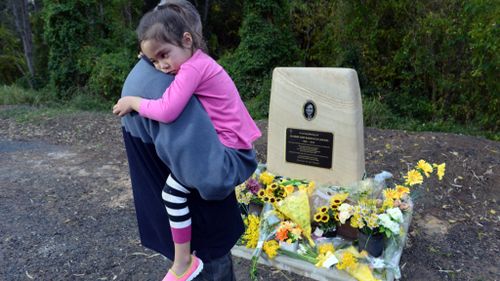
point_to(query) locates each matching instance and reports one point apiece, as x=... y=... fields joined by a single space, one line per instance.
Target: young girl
x=174 y=46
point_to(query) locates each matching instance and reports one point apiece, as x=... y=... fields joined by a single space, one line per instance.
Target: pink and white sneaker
x=193 y=270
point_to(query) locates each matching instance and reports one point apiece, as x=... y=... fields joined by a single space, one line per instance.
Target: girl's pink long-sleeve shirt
x=203 y=77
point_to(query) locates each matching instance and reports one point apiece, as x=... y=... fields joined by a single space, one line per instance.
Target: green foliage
x=421 y=64
x=376 y=113
x=221 y=26
x=79 y=31
x=10 y=95
x=425 y=60
x=66 y=30
x=258 y=106
x=266 y=42
x=32 y=114
x=109 y=72
x=484 y=37
x=89 y=102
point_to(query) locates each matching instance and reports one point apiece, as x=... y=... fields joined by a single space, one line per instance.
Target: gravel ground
x=66 y=209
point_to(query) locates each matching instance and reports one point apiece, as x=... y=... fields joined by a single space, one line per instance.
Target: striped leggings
x=175 y=199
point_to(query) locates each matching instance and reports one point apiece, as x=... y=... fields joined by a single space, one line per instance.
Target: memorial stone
x=316 y=125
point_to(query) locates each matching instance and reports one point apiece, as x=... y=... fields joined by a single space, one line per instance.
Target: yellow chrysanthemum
x=325 y=248
x=388 y=203
x=440 y=170
x=402 y=190
x=271 y=248
x=310 y=187
x=372 y=220
x=240 y=195
x=391 y=193
x=251 y=234
x=266 y=178
x=425 y=167
x=320 y=259
x=347 y=261
x=357 y=221
x=414 y=177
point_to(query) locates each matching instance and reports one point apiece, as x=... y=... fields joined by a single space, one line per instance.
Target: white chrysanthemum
x=385 y=221
x=345 y=212
x=395 y=214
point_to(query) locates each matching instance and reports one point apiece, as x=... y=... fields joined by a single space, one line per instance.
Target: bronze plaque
x=310 y=148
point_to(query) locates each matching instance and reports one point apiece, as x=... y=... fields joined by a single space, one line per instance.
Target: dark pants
x=220 y=269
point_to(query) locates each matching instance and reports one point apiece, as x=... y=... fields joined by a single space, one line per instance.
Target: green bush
x=90 y=102
x=11 y=58
x=377 y=114
x=266 y=42
x=427 y=61
x=79 y=33
x=17 y=95
x=109 y=73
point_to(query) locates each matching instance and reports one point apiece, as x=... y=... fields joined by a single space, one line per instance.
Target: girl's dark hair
x=168 y=22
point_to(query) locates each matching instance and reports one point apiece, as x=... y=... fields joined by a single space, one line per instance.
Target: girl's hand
x=126 y=104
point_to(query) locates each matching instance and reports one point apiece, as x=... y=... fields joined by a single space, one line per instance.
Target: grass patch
x=33 y=106
x=90 y=103
x=32 y=114
x=10 y=95
x=378 y=115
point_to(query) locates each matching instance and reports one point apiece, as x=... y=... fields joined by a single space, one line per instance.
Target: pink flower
x=253 y=185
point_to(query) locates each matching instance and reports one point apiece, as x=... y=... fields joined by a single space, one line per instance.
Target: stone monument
x=316 y=125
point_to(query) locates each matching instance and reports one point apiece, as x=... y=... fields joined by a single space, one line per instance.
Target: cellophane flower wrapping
x=296 y=208
x=355 y=263
x=268 y=223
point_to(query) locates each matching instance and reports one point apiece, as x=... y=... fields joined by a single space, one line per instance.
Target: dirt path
x=66 y=210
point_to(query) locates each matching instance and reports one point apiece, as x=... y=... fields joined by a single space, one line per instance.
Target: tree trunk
x=205 y=12
x=23 y=26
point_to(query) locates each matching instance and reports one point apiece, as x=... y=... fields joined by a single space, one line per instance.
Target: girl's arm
x=126 y=104
x=167 y=108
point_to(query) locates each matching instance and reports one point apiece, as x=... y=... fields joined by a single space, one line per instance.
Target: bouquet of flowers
x=288 y=232
x=293 y=208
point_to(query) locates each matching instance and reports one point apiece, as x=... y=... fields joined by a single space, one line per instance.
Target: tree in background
x=20 y=11
x=424 y=62
x=266 y=42
x=12 y=65
x=79 y=32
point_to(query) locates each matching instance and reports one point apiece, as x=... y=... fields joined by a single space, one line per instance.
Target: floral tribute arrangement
x=300 y=220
